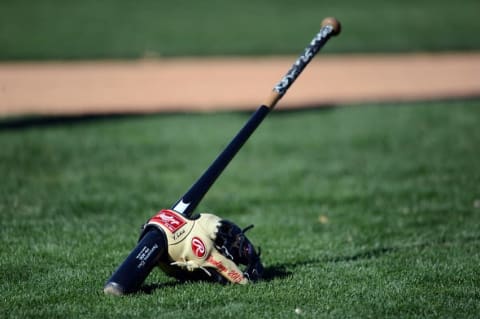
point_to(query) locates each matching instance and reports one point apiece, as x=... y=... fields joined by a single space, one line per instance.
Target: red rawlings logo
x=217 y=264
x=169 y=219
x=198 y=247
x=234 y=275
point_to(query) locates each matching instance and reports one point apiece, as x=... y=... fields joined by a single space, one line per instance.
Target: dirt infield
x=210 y=84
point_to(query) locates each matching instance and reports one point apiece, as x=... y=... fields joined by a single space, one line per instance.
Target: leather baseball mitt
x=206 y=248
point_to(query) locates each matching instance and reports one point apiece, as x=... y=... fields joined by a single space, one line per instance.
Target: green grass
x=399 y=184
x=63 y=29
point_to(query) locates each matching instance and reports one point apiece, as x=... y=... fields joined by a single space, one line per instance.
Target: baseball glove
x=206 y=248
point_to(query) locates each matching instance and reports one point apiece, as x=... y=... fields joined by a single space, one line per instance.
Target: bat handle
x=138 y=265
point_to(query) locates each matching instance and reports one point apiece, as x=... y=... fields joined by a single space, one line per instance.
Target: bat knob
x=112 y=288
x=136 y=267
x=334 y=23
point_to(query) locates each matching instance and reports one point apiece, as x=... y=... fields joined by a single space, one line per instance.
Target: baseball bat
x=136 y=267
x=187 y=204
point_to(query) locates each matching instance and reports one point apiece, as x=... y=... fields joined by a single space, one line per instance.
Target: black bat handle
x=136 y=267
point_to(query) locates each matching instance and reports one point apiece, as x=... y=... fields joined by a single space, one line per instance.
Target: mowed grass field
x=361 y=211
x=90 y=29
x=365 y=211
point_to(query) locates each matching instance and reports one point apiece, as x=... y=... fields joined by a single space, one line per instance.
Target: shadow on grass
x=280 y=271
x=379 y=252
x=37 y=121
x=275 y=272
x=26 y=122
x=151 y=288
x=370 y=254
x=20 y=122
x=271 y=273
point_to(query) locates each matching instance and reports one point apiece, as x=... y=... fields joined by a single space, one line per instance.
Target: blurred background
x=123 y=29
x=147 y=44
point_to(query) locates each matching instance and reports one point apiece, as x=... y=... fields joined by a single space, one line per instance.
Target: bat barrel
x=136 y=267
x=330 y=27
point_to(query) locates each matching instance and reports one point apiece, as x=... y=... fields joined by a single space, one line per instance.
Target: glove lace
x=190 y=265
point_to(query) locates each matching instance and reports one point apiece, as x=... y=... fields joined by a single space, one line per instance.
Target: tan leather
x=191 y=244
